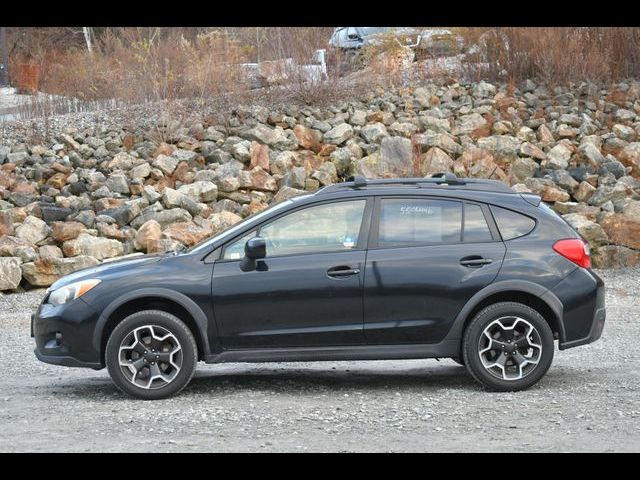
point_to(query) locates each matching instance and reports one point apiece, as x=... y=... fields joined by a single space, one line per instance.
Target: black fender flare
x=192 y=307
x=544 y=294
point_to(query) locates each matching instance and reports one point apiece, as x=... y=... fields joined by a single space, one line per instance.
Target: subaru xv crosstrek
x=440 y=267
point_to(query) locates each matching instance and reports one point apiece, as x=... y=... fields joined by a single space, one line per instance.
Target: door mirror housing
x=254 y=249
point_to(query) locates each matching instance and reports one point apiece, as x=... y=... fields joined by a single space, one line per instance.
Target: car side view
x=439 y=267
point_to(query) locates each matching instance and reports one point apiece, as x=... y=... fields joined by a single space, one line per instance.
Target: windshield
x=207 y=242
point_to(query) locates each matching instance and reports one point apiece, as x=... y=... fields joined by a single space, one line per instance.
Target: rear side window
x=512 y=224
x=475 y=225
x=410 y=221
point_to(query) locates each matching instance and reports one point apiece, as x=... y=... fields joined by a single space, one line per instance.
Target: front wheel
x=508 y=346
x=151 y=355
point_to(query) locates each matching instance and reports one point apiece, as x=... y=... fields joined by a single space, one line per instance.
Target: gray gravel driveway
x=589 y=400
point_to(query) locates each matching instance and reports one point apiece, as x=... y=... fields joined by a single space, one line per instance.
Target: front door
x=423 y=267
x=307 y=291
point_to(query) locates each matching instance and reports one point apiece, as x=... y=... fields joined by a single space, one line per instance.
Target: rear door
x=428 y=256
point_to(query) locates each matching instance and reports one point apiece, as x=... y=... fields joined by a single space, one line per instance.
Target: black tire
x=172 y=324
x=471 y=346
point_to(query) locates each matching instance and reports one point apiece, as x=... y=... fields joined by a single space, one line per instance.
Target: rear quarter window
x=511 y=224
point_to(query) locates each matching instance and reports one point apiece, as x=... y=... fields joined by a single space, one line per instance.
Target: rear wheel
x=508 y=346
x=151 y=355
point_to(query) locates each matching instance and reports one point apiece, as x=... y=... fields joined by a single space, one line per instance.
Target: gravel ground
x=588 y=400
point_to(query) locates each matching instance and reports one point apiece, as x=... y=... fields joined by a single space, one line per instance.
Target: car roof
x=438 y=181
x=447 y=184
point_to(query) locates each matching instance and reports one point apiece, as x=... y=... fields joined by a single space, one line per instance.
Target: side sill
x=444 y=349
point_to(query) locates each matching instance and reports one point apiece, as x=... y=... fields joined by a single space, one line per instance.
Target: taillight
x=574 y=249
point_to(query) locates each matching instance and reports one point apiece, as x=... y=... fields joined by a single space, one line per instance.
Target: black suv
x=362 y=270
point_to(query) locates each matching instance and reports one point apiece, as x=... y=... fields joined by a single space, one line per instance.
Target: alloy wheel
x=510 y=348
x=150 y=357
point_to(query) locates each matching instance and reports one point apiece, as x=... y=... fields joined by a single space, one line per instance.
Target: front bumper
x=63 y=334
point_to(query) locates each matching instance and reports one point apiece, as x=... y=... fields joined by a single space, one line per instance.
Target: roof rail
x=438 y=179
x=359 y=181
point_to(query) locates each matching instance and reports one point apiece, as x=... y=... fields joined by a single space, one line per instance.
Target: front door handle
x=342 y=271
x=475 y=261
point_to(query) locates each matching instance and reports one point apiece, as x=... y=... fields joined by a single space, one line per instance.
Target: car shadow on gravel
x=299 y=380
x=233 y=379
x=295 y=380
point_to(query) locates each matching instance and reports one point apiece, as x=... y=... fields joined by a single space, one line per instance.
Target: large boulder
x=6 y=223
x=285 y=193
x=263 y=134
x=584 y=191
x=43 y=273
x=590 y=230
x=223 y=220
x=339 y=134
x=374 y=132
x=435 y=161
x=615 y=256
x=630 y=157
x=10 y=273
x=203 y=191
x=163 y=217
x=523 y=168
x=63 y=231
x=444 y=141
x=32 y=230
x=558 y=157
x=503 y=147
x=257 y=179
x=308 y=138
x=468 y=124
x=150 y=231
x=396 y=157
x=623 y=229
x=96 y=247
x=547 y=190
x=187 y=233
x=166 y=164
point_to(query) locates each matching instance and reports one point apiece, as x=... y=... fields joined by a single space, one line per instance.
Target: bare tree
x=87 y=37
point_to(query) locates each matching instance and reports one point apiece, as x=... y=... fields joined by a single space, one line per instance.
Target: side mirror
x=254 y=249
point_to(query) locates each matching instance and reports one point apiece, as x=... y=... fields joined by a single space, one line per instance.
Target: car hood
x=109 y=267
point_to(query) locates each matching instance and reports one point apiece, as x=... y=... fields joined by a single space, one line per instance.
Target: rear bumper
x=597 y=326
x=584 y=311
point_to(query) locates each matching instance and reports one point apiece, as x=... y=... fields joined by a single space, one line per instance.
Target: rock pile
x=102 y=192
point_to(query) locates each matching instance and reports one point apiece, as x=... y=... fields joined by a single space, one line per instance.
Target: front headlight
x=72 y=291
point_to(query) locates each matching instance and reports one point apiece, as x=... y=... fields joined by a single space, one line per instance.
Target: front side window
x=235 y=250
x=324 y=228
x=329 y=227
x=411 y=222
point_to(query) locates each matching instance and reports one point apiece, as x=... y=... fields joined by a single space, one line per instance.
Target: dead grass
x=553 y=55
x=138 y=65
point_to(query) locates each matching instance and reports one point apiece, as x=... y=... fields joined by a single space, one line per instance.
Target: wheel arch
x=170 y=301
x=537 y=297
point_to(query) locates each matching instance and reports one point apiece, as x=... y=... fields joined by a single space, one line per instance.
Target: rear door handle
x=475 y=261
x=342 y=271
